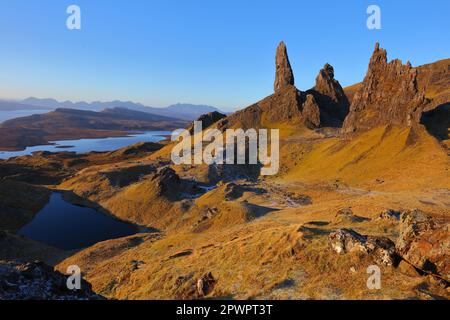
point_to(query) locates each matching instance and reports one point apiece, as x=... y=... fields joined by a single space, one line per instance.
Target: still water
x=88 y=145
x=67 y=226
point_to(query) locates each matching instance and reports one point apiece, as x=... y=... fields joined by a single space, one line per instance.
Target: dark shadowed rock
x=37 y=281
x=284 y=75
x=207 y=120
x=205 y=284
x=288 y=105
x=389 y=95
x=389 y=215
x=330 y=97
x=424 y=242
x=311 y=112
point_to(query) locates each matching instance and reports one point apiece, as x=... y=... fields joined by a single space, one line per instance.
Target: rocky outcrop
x=424 y=242
x=207 y=120
x=346 y=215
x=205 y=284
x=389 y=95
x=330 y=97
x=37 y=281
x=389 y=215
x=311 y=112
x=288 y=105
x=284 y=76
x=381 y=249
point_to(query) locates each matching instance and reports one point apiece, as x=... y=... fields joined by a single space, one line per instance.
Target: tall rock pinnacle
x=284 y=75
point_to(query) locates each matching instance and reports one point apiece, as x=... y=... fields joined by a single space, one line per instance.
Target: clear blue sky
x=218 y=52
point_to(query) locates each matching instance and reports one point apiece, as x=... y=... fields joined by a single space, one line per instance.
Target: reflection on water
x=66 y=226
x=88 y=145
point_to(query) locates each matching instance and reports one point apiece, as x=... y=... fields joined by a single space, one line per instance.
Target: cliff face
x=389 y=95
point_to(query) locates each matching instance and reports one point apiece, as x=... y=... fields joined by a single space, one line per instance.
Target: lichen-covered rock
x=424 y=242
x=38 y=281
x=381 y=249
x=389 y=95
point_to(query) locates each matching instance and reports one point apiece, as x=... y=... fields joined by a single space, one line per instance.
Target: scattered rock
x=181 y=254
x=233 y=191
x=205 y=284
x=38 y=281
x=390 y=215
x=136 y=264
x=346 y=215
x=347 y=240
x=424 y=242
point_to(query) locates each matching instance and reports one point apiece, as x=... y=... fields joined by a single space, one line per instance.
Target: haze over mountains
x=183 y=111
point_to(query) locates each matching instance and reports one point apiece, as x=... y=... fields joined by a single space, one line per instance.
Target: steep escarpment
x=389 y=95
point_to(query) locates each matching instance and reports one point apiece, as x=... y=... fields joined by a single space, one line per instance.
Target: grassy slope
x=266 y=253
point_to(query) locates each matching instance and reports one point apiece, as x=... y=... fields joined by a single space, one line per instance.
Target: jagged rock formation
x=287 y=105
x=284 y=75
x=424 y=242
x=389 y=95
x=330 y=97
x=37 y=281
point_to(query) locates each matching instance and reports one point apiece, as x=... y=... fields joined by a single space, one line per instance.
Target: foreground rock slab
x=38 y=281
x=424 y=242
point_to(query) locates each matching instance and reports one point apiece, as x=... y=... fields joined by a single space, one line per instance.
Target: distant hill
x=7 y=105
x=63 y=124
x=180 y=111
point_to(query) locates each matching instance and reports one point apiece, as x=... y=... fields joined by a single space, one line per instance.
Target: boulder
x=424 y=242
x=38 y=281
x=205 y=284
x=389 y=215
x=381 y=249
x=345 y=215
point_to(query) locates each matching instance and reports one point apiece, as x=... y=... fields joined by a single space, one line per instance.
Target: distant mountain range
x=182 y=111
